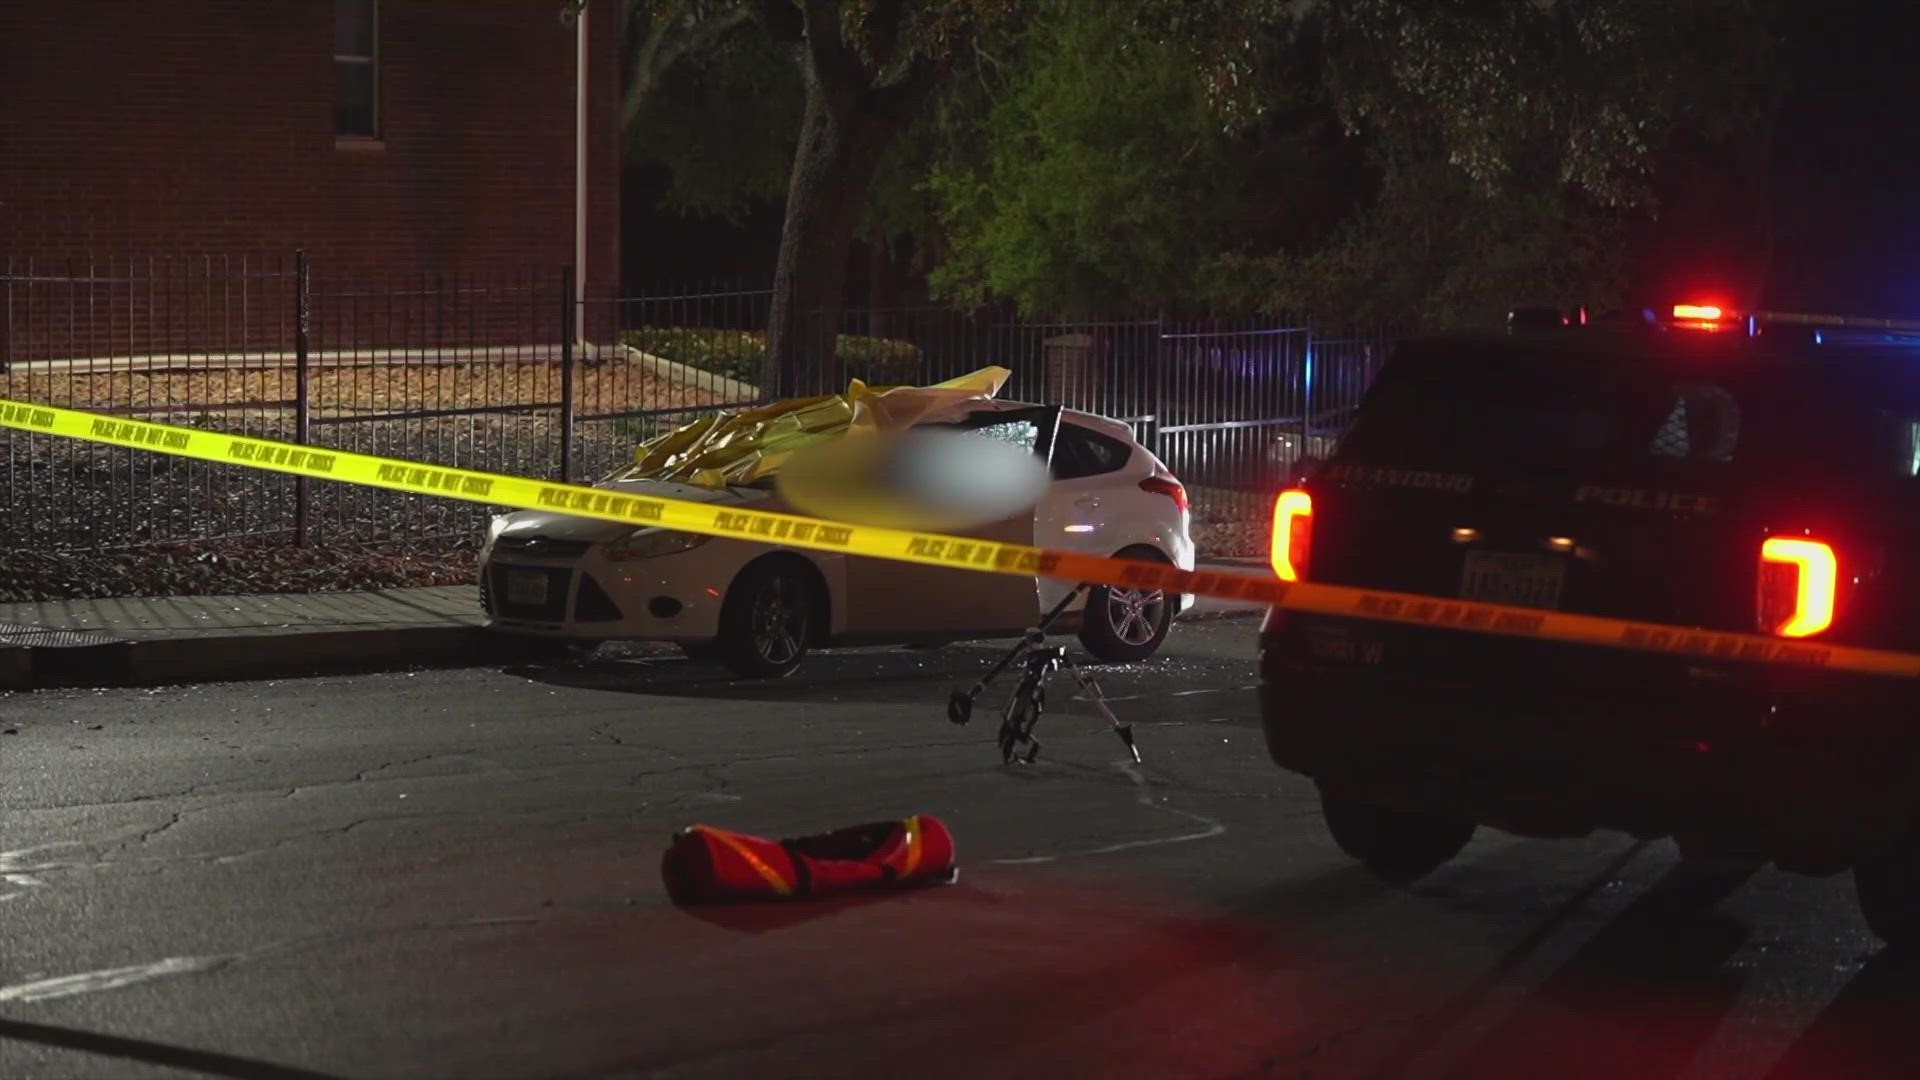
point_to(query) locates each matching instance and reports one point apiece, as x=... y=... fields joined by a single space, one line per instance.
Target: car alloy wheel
x=767 y=621
x=779 y=622
x=1127 y=625
x=1135 y=614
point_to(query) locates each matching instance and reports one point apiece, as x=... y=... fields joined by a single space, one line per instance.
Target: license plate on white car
x=526 y=588
x=1521 y=580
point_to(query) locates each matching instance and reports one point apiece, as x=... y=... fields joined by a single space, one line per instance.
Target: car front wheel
x=1125 y=625
x=767 y=621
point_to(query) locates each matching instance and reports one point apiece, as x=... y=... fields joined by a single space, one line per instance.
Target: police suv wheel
x=1399 y=846
x=1888 y=888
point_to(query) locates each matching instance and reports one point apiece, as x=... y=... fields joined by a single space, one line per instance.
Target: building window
x=356 y=102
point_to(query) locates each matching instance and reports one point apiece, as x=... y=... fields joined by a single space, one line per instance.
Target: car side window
x=1078 y=452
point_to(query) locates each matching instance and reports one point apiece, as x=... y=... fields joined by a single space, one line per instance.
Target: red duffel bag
x=706 y=865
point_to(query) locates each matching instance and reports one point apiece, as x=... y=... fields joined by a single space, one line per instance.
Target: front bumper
x=589 y=597
x=1812 y=769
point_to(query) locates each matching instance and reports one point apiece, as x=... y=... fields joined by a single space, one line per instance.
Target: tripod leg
x=1092 y=690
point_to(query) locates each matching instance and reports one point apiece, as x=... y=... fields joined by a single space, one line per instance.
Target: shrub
x=740 y=354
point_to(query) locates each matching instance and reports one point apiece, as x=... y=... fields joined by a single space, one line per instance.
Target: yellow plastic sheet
x=743 y=447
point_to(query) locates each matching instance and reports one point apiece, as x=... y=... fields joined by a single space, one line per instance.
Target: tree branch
x=837 y=67
x=780 y=18
x=665 y=47
x=882 y=31
x=898 y=101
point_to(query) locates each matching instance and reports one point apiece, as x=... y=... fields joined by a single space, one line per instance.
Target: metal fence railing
x=487 y=372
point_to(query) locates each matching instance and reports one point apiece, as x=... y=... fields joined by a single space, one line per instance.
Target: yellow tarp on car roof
x=738 y=448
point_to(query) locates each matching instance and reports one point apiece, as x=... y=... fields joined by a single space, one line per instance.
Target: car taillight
x=1292 y=534
x=1798 y=579
x=1160 y=485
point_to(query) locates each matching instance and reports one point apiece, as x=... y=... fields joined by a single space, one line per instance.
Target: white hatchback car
x=758 y=607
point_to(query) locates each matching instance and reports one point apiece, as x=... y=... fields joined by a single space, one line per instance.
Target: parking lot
x=457 y=873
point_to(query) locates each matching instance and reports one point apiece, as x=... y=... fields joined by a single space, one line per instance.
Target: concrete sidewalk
x=158 y=641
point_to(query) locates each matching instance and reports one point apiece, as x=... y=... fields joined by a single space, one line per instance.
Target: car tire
x=1400 y=846
x=767 y=621
x=1125 y=625
x=1888 y=889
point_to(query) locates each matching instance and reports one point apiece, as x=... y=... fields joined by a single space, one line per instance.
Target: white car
x=758 y=607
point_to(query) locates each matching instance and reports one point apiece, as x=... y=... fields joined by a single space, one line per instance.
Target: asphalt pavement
x=456 y=873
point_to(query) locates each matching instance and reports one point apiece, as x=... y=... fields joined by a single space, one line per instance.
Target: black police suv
x=1703 y=472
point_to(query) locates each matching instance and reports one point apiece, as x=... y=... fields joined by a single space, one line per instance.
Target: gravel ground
x=235 y=567
x=615 y=386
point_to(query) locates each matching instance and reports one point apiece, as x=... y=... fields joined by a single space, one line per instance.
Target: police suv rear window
x=1498 y=407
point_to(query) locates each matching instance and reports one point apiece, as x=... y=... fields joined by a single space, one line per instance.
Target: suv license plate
x=527 y=587
x=1521 y=580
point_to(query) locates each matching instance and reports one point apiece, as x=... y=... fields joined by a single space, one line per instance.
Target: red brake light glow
x=1798 y=578
x=1292 y=534
x=1172 y=489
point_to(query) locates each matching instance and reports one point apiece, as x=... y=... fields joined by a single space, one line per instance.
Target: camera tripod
x=1029 y=698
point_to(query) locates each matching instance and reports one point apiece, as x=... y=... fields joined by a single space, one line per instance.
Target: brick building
x=147 y=147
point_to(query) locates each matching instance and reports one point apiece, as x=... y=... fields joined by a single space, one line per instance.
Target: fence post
x=567 y=326
x=1306 y=388
x=302 y=396
x=1157 y=400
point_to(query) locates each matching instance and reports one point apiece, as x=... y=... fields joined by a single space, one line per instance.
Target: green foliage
x=1103 y=180
x=1411 y=161
x=1432 y=250
x=742 y=355
x=723 y=122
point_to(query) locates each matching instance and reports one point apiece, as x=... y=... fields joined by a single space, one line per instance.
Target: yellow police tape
x=952 y=552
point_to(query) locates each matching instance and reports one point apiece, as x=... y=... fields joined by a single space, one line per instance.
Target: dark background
x=1833 y=189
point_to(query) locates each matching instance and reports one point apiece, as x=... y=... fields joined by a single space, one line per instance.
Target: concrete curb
x=733 y=390
x=16 y=668
x=253 y=657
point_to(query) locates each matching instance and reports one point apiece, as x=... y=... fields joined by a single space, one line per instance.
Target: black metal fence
x=484 y=371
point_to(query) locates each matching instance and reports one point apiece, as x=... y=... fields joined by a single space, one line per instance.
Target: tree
x=868 y=66
x=1101 y=174
x=1370 y=157
x=720 y=118
x=663 y=33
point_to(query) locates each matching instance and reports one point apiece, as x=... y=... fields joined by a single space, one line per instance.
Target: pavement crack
x=173 y=819
x=364 y=774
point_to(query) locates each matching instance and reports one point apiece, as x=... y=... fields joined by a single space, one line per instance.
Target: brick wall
x=204 y=129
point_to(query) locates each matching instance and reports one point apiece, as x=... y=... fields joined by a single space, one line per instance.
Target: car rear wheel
x=1398 y=845
x=1124 y=625
x=767 y=621
x=1888 y=888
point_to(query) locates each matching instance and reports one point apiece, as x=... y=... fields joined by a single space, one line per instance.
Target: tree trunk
x=881 y=294
x=849 y=123
x=833 y=169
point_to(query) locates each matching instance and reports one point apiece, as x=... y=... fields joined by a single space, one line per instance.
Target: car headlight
x=652 y=544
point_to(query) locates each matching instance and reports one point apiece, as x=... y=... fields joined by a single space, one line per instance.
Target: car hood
x=525 y=524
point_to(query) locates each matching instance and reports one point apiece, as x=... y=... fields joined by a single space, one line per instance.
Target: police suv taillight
x=1292 y=534
x=1799 y=577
